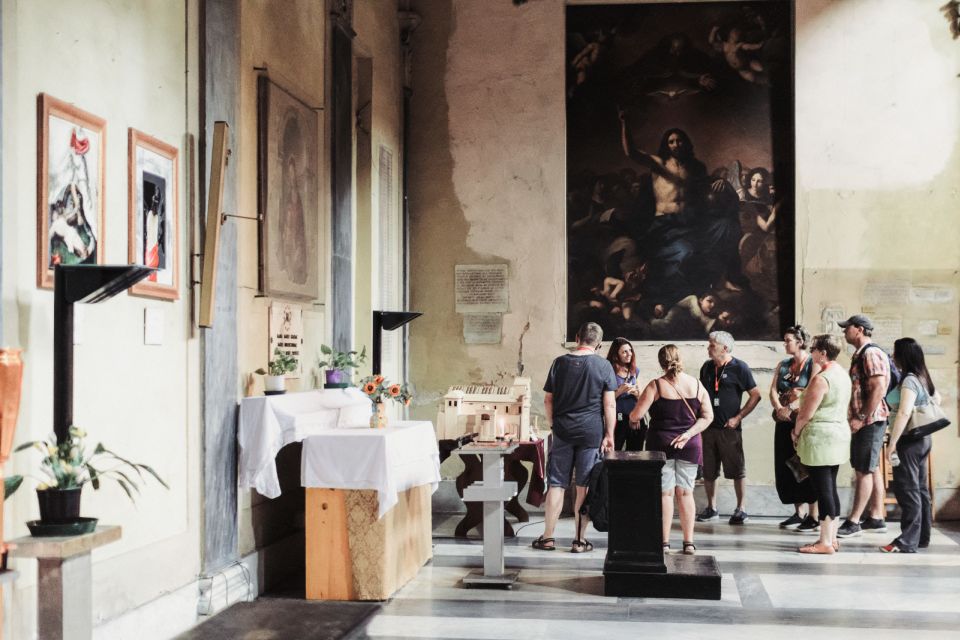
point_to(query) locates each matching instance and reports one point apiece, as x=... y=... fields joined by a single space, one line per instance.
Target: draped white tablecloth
x=268 y=423
x=390 y=460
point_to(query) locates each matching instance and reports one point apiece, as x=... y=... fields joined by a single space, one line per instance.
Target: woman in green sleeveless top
x=822 y=436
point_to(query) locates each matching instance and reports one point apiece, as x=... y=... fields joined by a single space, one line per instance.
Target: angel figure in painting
x=741 y=56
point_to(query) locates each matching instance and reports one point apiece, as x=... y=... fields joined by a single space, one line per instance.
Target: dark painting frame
x=680 y=169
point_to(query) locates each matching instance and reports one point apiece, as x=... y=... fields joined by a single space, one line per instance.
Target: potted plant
x=379 y=390
x=274 y=378
x=337 y=363
x=67 y=466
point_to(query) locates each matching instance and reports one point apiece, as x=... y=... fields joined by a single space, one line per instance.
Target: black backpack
x=595 y=504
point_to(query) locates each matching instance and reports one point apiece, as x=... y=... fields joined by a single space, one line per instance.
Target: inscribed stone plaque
x=481 y=288
x=884 y=293
x=482 y=328
x=931 y=294
x=886 y=330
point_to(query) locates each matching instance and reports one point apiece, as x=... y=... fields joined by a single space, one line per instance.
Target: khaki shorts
x=723 y=447
x=678 y=473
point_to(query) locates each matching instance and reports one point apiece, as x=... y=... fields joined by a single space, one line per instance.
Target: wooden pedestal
x=353 y=555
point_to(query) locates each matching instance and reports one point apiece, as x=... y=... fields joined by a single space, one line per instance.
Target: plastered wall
x=134 y=64
x=877 y=170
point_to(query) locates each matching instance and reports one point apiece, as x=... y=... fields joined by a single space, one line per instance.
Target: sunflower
x=378 y=379
x=370 y=388
x=394 y=390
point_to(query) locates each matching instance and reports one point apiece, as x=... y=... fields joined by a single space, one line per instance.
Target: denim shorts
x=678 y=473
x=865 y=447
x=564 y=457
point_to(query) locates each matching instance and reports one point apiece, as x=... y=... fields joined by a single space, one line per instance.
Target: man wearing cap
x=867 y=415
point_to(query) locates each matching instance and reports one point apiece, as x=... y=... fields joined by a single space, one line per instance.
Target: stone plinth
x=64 y=607
x=635 y=565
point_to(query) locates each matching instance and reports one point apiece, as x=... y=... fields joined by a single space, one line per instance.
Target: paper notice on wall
x=887 y=330
x=481 y=288
x=931 y=294
x=482 y=328
x=928 y=327
x=886 y=293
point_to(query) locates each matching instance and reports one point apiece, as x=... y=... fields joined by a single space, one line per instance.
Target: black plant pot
x=59 y=506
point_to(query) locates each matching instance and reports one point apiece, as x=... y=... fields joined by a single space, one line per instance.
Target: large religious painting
x=289 y=196
x=152 y=214
x=70 y=179
x=680 y=173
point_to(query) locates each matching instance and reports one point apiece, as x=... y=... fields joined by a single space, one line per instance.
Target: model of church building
x=490 y=411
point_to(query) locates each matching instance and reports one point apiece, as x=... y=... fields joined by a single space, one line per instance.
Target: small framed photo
x=70 y=186
x=154 y=232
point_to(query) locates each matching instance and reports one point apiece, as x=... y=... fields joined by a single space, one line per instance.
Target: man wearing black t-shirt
x=726 y=379
x=579 y=404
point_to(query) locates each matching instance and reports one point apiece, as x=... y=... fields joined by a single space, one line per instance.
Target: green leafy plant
x=378 y=389
x=10 y=485
x=341 y=360
x=71 y=464
x=281 y=364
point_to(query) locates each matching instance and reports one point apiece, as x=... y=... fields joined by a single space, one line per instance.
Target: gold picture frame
x=71 y=164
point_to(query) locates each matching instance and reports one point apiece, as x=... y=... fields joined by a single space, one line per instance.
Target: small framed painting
x=70 y=186
x=153 y=215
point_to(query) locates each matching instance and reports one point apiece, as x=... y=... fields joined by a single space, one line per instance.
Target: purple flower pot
x=335 y=376
x=59 y=506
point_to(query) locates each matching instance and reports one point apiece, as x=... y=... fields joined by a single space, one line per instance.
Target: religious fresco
x=680 y=175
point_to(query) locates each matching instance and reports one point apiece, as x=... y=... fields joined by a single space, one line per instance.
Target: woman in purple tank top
x=679 y=410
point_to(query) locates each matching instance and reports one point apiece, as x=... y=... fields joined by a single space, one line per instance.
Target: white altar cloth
x=391 y=460
x=268 y=423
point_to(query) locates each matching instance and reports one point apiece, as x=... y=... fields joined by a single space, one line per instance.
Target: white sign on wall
x=286 y=333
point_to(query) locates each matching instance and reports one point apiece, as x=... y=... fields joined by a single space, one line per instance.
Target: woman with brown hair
x=790 y=378
x=679 y=410
x=623 y=359
x=822 y=436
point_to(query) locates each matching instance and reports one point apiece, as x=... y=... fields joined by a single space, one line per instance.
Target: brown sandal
x=581 y=546
x=541 y=544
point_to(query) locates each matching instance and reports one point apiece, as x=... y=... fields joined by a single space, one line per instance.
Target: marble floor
x=769 y=590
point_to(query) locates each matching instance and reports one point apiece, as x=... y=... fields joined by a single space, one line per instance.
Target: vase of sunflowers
x=379 y=390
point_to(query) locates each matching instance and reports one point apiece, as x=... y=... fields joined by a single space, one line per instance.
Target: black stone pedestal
x=635 y=565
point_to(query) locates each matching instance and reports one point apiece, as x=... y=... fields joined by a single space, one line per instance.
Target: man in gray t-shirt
x=579 y=404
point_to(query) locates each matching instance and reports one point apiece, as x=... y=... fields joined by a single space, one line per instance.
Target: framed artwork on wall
x=288 y=192
x=153 y=229
x=70 y=187
x=680 y=169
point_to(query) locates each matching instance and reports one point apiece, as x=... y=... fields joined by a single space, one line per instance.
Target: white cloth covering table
x=390 y=461
x=268 y=423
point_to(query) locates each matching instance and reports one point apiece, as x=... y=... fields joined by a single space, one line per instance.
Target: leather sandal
x=581 y=546
x=541 y=544
x=689 y=548
x=817 y=548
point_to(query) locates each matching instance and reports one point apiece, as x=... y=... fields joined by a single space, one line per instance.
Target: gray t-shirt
x=577 y=384
x=913 y=383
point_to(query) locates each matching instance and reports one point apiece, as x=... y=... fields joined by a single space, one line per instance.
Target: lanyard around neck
x=717 y=372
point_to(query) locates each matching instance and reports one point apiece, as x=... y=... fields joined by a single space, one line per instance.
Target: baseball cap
x=858 y=320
